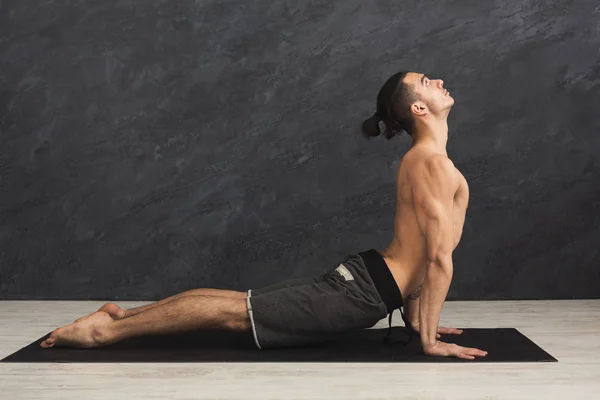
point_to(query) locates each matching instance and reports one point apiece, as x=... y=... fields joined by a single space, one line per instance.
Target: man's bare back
x=406 y=255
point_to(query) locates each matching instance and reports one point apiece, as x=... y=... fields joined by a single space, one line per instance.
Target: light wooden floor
x=569 y=330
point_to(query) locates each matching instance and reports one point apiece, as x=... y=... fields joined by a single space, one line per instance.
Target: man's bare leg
x=117 y=312
x=180 y=315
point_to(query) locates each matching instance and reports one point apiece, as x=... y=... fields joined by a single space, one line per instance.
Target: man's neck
x=432 y=135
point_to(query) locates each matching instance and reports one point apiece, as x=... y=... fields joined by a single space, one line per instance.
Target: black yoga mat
x=502 y=345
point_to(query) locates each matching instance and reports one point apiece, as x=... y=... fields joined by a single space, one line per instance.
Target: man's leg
x=118 y=313
x=181 y=315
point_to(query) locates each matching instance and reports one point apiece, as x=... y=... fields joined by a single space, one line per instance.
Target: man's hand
x=451 y=349
x=440 y=330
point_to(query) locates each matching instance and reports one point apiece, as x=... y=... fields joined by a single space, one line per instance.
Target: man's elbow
x=440 y=260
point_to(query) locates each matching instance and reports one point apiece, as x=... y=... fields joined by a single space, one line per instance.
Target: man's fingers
x=470 y=355
x=449 y=331
x=470 y=352
x=476 y=352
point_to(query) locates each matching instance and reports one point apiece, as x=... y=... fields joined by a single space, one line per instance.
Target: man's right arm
x=433 y=196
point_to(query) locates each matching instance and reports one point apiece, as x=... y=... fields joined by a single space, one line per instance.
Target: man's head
x=408 y=101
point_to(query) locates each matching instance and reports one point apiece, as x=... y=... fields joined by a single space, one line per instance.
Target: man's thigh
x=230 y=294
x=287 y=284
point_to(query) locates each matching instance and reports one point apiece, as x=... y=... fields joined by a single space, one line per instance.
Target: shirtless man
x=432 y=200
x=432 y=197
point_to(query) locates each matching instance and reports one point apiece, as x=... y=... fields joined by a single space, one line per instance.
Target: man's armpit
x=416 y=294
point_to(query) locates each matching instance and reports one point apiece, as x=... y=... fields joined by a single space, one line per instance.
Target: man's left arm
x=412 y=308
x=412 y=314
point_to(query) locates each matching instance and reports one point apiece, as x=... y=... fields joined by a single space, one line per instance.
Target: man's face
x=431 y=92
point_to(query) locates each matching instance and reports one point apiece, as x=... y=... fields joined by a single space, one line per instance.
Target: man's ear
x=418 y=108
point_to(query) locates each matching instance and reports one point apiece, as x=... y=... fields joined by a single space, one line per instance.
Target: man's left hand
x=441 y=330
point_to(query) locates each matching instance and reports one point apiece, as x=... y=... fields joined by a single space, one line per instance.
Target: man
x=432 y=199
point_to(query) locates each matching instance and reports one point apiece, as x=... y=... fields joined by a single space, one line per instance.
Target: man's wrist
x=427 y=344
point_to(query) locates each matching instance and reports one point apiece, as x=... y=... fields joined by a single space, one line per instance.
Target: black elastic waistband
x=383 y=279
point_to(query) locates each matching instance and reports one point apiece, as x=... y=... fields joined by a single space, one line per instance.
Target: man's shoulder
x=424 y=168
x=428 y=160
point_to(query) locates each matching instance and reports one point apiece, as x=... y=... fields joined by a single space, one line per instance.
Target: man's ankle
x=104 y=334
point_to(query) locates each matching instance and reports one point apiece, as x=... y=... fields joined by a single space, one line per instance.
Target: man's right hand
x=453 y=350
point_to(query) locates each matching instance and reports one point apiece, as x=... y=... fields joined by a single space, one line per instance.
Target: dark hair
x=393 y=108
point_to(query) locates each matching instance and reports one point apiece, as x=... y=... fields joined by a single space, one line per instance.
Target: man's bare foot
x=112 y=309
x=87 y=333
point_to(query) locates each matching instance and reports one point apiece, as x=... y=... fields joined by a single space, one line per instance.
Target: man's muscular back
x=430 y=191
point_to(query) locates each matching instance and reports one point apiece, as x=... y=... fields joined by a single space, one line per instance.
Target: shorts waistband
x=383 y=279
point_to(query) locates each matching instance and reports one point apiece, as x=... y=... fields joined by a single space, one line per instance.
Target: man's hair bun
x=370 y=126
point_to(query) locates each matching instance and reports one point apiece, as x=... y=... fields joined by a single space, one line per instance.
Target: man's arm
x=412 y=307
x=433 y=195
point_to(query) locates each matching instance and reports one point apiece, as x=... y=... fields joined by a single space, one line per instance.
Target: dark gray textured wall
x=150 y=147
